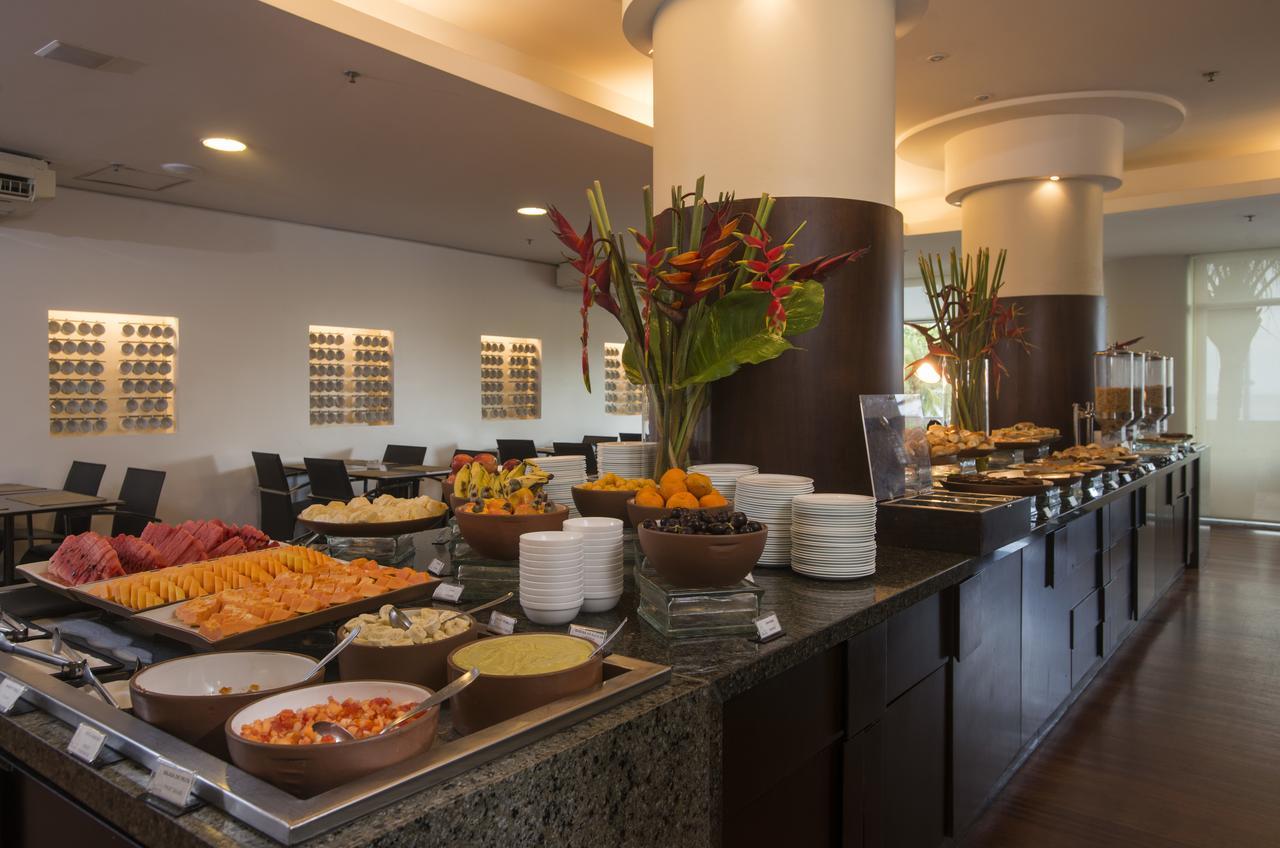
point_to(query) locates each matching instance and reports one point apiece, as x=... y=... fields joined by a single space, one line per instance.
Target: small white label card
x=437 y=567
x=86 y=743
x=502 y=623
x=768 y=626
x=751 y=578
x=171 y=783
x=450 y=593
x=591 y=634
x=10 y=691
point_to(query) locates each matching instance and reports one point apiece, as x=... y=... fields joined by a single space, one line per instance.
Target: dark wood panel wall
x=1066 y=330
x=799 y=413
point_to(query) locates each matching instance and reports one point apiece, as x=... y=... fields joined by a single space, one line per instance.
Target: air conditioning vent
x=17 y=188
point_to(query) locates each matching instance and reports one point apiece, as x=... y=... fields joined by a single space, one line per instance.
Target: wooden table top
x=9 y=506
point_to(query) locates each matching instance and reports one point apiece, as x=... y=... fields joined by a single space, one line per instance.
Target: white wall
x=1149 y=296
x=244 y=291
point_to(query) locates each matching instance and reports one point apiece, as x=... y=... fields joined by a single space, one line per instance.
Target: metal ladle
x=400 y=619
x=330 y=728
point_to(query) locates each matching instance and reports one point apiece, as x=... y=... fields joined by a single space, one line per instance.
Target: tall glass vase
x=969 y=379
x=674 y=416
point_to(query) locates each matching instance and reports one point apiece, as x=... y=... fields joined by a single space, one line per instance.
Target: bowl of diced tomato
x=273 y=738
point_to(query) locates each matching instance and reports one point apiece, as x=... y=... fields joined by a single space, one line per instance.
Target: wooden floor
x=1177 y=741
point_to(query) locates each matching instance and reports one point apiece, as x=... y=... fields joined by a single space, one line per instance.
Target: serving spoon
x=337 y=649
x=330 y=728
x=600 y=648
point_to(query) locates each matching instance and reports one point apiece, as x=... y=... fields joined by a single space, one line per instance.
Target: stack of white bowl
x=767 y=498
x=601 y=561
x=833 y=537
x=627 y=459
x=551 y=576
x=566 y=472
x=724 y=475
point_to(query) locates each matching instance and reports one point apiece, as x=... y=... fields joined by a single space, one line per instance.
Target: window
x=1236 y=379
x=935 y=398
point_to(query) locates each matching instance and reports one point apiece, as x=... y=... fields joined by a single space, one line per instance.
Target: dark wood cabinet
x=1046 y=634
x=1170 y=550
x=986 y=684
x=913 y=768
x=1087 y=635
x=1144 y=578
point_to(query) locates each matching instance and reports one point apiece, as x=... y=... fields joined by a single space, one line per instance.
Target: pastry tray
x=290 y=820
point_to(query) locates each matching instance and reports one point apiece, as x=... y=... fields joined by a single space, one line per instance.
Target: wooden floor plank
x=1177 y=741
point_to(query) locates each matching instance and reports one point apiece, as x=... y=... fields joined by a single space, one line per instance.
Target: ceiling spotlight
x=939 y=57
x=226 y=145
x=1054 y=178
x=531 y=210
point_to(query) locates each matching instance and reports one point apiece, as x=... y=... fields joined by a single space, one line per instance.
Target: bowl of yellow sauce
x=519 y=673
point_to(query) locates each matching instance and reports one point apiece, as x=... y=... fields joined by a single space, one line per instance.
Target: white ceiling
x=408 y=151
x=414 y=152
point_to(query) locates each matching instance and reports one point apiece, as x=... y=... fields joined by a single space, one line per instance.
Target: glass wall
x=1235 y=344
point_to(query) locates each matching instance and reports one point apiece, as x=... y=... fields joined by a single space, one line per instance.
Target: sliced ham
x=85 y=558
x=136 y=555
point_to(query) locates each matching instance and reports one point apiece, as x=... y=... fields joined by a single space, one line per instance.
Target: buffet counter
x=842 y=720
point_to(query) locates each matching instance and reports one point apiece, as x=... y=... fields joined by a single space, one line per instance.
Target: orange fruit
x=670 y=488
x=649 y=496
x=673 y=475
x=684 y=499
x=713 y=498
x=699 y=484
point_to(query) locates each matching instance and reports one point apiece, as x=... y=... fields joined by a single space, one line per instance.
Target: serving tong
x=65 y=658
x=86 y=671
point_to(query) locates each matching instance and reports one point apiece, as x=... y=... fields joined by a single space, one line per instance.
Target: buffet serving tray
x=290 y=820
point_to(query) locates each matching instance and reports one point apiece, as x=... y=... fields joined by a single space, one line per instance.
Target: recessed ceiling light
x=226 y=145
x=531 y=210
x=1054 y=178
x=939 y=57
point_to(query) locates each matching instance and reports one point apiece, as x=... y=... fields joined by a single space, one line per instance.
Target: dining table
x=20 y=499
x=383 y=473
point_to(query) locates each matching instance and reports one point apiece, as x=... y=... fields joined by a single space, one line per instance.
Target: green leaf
x=804 y=307
x=732 y=334
x=632 y=365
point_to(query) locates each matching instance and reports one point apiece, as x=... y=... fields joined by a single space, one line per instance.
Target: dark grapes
x=691 y=522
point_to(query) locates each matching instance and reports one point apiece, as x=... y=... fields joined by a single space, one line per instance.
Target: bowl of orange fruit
x=493 y=527
x=608 y=496
x=676 y=490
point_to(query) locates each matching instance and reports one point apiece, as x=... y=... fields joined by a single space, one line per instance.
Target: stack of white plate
x=551 y=576
x=601 y=561
x=566 y=472
x=833 y=537
x=767 y=498
x=724 y=475
x=627 y=459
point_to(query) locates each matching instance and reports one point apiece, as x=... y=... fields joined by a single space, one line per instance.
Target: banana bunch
x=474 y=482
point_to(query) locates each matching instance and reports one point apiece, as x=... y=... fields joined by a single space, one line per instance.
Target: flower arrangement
x=712 y=294
x=969 y=321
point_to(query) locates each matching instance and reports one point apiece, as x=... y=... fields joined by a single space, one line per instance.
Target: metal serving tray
x=289 y=819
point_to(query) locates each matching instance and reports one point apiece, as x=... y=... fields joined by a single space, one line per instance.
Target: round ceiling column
x=794 y=98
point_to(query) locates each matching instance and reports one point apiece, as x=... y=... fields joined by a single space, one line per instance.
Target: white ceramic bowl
x=549 y=538
x=540 y=616
x=595 y=523
x=600 y=604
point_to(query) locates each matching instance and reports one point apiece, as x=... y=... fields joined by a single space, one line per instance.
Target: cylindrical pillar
x=1034 y=186
x=794 y=98
x=790 y=97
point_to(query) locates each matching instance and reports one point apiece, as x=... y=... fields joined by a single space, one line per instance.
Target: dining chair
x=569 y=449
x=329 y=480
x=592 y=458
x=277 y=509
x=83 y=478
x=139 y=498
x=405 y=454
x=516 y=449
x=630 y=437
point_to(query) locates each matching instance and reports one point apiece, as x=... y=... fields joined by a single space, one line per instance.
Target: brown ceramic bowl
x=603 y=504
x=638 y=514
x=181 y=695
x=306 y=770
x=421 y=664
x=498 y=536
x=702 y=562
x=494 y=698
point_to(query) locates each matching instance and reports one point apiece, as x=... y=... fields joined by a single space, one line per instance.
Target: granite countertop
x=665 y=742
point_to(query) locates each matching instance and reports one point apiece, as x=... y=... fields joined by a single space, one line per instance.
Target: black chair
x=405 y=454
x=569 y=449
x=516 y=449
x=630 y=437
x=139 y=497
x=591 y=442
x=83 y=478
x=329 y=480
x=277 y=510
